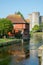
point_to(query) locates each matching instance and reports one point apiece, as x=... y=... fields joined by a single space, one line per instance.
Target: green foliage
x=18 y=34
x=5 y=26
x=1 y=27
x=20 y=14
x=31 y=33
x=35 y=28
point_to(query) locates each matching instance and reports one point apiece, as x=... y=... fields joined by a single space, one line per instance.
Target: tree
x=18 y=34
x=5 y=26
x=1 y=28
x=20 y=14
x=36 y=28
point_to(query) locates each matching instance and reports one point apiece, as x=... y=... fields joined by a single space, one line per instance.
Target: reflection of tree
x=25 y=48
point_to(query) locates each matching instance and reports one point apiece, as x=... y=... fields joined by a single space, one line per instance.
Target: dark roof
x=16 y=18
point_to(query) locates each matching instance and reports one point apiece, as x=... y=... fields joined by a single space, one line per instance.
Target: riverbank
x=6 y=42
x=36 y=33
x=40 y=33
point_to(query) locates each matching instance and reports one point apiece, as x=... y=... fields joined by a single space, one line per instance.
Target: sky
x=26 y=7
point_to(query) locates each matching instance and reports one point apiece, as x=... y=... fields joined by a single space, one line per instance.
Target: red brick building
x=19 y=23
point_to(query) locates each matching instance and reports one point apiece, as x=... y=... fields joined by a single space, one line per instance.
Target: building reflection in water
x=20 y=50
x=23 y=51
x=25 y=47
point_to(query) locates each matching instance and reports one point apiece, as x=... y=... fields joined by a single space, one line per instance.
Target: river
x=33 y=59
x=30 y=47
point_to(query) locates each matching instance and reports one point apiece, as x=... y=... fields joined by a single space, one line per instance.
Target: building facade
x=41 y=19
x=30 y=18
x=35 y=19
x=19 y=24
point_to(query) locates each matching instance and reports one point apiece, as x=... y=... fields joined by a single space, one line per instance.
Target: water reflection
x=25 y=53
x=19 y=49
x=31 y=50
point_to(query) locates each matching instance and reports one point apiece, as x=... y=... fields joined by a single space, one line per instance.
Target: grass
x=5 y=40
x=8 y=41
